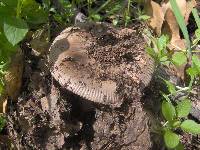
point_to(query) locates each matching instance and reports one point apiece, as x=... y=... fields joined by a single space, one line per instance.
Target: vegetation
x=175 y=108
x=18 y=17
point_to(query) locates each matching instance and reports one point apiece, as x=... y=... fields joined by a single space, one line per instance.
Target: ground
x=48 y=115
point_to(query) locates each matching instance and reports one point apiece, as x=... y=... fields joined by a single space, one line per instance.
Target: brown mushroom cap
x=68 y=58
x=72 y=67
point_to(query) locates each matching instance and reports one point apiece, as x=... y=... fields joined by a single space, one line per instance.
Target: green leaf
x=15 y=30
x=143 y=17
x=171 y=139
x=96 y=17
x=11 y=3
x=33 y=12
x=2 y=88
x=6 y=48
x=151 y=52
x=192 y=71
x=5 y=12
x=164 y=59
x=47 y=3
x=179 y=58
x=166 y=97
x=168 y=110
x=197 y=33
x=115 y=22
x=196 y=61
x=127 y=19
x=183 y=108
x=114 y=8
x=171 y=87
x=196 y=16
x=176 y=124
x=162 y=42
x=103 y=6
x=181 y=22
x=190 y=126
x=179 y=147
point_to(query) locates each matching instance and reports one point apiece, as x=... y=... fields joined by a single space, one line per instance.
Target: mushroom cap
x=68 y=58
x=71 y=66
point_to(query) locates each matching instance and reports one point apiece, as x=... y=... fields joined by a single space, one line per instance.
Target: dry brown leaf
x=39 y=42
x=163 y=20
x=181 y=3
x=154 y=10
x=190 y=5
x=13 y=77
x=3 y=105
x=170 y=26
x=13 y=80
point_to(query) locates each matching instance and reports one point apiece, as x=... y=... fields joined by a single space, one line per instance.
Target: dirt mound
x=50 y=114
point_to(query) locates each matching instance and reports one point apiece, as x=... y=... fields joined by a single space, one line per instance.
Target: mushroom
x=71 y=64
x=68 y=58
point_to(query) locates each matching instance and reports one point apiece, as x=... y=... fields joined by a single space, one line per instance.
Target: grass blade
x=181 y=22
x=196 y=17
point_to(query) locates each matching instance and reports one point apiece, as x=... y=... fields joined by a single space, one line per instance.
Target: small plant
x=141 y=15
x=158 y=49
x=118 y=12
x=176 y=116
x=16 y=18
x=176 y=108
x=181 y=22
x=64 y=16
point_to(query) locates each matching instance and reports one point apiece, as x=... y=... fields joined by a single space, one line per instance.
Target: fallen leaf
x=39 y=42
x=181 y=3
x=154 y=10
x=170 y=25
x=190 y=5
x=13 y=80
x=3 y=104
x=163 y=21
x=13 y=76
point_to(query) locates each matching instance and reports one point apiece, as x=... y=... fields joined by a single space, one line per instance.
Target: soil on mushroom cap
x=118 y=55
